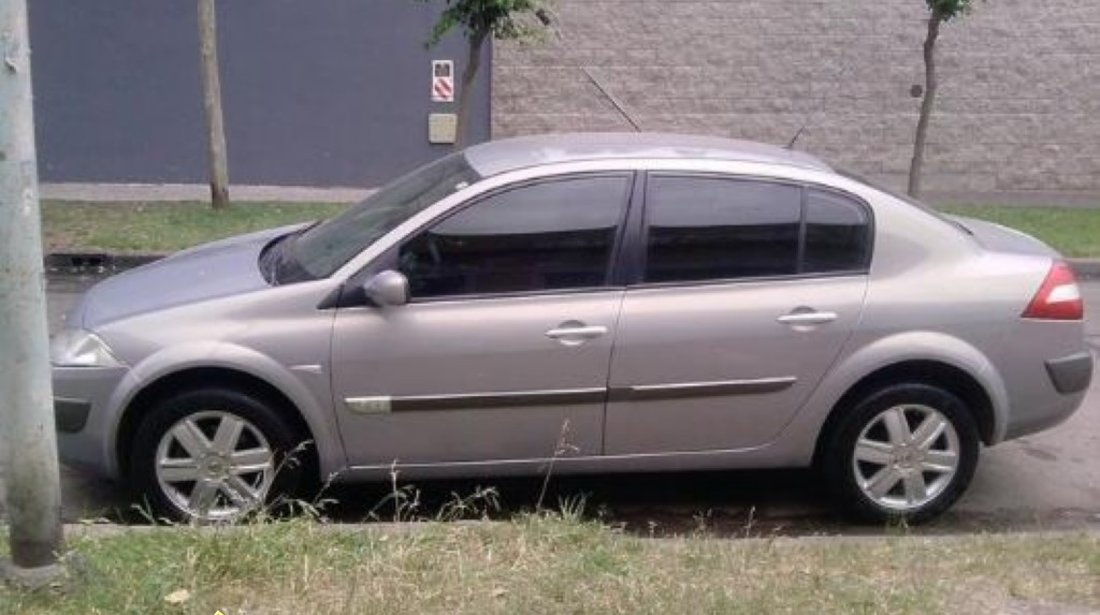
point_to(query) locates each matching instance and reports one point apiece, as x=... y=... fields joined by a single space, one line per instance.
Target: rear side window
x=702 y=228
x=837 y=233
x=714 y=228
x=553 y=235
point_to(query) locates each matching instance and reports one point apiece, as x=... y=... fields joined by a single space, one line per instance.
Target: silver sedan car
x=611 y=303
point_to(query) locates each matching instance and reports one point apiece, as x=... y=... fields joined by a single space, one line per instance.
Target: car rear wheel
x=907 y=452
x=214 y=455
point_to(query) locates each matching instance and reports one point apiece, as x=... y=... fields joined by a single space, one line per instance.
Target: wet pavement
x=1049 y=480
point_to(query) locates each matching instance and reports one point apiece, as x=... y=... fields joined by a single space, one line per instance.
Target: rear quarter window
x=838 y=233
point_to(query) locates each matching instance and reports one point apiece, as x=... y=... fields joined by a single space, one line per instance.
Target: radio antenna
x=548 y=19
x=812 y=114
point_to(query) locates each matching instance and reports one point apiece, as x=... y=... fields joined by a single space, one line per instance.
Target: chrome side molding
x=559 y=397
x=551 y=397
x=756 y=386
x=471 y=401
x=370 y=405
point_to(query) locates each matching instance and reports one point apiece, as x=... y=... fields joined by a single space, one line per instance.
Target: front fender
x=308 y=390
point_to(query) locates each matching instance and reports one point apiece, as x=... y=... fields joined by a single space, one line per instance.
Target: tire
x=259 y=460
x=875 y=480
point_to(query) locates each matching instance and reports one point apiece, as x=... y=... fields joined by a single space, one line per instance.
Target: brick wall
x=1018 y=110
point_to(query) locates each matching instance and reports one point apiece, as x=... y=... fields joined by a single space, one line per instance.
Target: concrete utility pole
x=26 y=396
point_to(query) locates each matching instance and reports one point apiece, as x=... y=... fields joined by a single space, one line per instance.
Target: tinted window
x=710 y=228
x=837 y=233
x=554 y=235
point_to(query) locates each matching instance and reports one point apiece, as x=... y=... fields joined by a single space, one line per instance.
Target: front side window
x=548 y=236
x=703 y=228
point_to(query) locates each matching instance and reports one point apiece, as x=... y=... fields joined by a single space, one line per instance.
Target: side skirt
x=764 y=457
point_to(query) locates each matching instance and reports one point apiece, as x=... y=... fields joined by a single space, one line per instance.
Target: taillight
x=1059 y=298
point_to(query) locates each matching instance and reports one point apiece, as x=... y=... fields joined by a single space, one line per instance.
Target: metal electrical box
x=442 y=128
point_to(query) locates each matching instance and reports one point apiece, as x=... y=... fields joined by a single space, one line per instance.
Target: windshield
x=323 y=249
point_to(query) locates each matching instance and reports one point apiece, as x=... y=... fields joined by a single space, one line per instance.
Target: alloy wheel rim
x=214 y=465
x=905 y=457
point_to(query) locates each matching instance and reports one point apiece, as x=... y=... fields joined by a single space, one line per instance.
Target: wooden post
x=212 y=105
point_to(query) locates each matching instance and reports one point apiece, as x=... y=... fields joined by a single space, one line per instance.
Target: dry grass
x=560 y=564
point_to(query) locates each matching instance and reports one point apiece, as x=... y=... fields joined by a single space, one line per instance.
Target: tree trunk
x=930 y=86
x=466 y=93
x=212 y=105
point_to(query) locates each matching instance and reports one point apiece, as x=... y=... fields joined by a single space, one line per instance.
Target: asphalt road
x=1050 y=480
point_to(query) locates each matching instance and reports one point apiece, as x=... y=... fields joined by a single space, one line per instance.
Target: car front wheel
x=904 y=452
x=213 y=455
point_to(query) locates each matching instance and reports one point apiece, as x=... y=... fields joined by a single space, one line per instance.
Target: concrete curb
x=153 y=193
x=103 y=262
x=170 y=193
x=1020 y=198
x=1086 y=268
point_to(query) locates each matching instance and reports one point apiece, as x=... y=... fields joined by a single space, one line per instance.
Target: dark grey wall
x=316 y=92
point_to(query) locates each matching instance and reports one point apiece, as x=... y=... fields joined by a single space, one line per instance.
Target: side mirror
x=388 y=288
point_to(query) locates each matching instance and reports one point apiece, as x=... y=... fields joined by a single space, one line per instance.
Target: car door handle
x=807 y=318
x=575 y=333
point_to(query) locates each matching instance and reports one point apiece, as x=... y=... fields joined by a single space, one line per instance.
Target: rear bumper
x=1071 y=374
x=1050 y=395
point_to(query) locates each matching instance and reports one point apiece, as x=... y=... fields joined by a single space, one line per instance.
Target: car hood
x=219 y=269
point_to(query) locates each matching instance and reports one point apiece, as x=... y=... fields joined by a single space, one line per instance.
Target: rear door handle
x=807 y=318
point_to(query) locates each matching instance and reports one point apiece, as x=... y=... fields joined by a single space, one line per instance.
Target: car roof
x=506 y=155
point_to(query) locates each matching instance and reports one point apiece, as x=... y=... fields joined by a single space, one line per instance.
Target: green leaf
x=503 y=19
x=950 y=9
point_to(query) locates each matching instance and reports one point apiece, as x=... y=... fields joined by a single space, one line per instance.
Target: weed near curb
x=554 y=561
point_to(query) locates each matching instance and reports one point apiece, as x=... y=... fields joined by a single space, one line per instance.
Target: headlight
x=77 y=348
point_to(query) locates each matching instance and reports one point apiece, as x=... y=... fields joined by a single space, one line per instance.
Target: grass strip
x=127 y=228
x=550 y=563
x=146 y=228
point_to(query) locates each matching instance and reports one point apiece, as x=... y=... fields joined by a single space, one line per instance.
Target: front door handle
x=805 y=319
x=573 y=333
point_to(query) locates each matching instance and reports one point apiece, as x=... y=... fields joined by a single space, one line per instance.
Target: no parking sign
x=443 y=81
